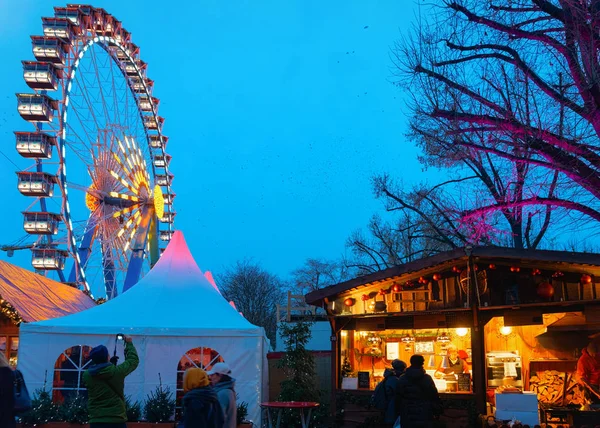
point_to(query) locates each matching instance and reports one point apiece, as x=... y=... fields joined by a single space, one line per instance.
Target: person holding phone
x=105 y=382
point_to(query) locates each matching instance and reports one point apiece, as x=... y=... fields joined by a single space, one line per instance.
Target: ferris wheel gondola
x=101 y=189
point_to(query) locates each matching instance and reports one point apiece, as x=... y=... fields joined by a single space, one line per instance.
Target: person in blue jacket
x=224 y=385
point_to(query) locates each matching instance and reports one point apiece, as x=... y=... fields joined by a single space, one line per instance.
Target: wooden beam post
x=477 y=340
x=335 y=352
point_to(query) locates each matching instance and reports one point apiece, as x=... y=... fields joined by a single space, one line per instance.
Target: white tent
x=172 y=310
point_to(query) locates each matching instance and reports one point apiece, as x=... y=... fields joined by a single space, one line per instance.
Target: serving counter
x=353 y=409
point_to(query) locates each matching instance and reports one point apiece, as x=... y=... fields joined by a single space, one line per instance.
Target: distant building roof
x=590 y=260
x=38 y=298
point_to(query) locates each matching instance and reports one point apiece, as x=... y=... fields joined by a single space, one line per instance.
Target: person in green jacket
x=105 y=383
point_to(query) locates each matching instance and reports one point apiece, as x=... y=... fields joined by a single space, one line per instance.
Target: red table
x=280 y=405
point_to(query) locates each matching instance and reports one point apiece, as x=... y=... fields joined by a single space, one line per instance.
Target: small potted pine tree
x=159 y=408
x=43 y=412
x=242 y=413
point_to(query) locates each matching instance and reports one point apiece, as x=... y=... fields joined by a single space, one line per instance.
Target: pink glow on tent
x=209 y=276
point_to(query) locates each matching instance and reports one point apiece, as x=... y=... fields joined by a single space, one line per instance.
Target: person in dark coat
x=391 y=387
x=201 y=408
x=7 y=397
x=418 y=398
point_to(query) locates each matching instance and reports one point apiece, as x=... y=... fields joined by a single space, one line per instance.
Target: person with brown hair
x=7 y=398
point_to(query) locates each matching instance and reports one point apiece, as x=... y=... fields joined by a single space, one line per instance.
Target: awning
x=37 y=298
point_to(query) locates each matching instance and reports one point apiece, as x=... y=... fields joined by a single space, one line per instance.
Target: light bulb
x=462 y=331
x=505 y=331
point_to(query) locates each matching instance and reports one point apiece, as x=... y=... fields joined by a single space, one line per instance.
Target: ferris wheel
x=101 y=202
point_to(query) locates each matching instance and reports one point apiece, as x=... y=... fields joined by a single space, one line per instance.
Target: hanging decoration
x=409 y=285
x=515 y=269
x=456 y=269
x=557 y=274
x=536 y=272
x=422 y=280
x=373 y=340
x=396 y=288
x=437 y=276
x=349 y=301
x=407 y=339
x=545 y=290
x=586 y=279
x=365 y=297
x=492 y=266
x=443 y=338
x=383 y=292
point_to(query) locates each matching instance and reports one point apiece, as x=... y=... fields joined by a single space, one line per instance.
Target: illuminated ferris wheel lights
x=127 y=210
x=159 y=202
x=91 y=202
x=124 y=196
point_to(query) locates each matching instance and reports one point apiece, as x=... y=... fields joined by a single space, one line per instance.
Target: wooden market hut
x=503 y=309
x=27 y=297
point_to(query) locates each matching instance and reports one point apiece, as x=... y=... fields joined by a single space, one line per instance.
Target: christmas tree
x=346 y=368
x=160 y=405
x=43 y=410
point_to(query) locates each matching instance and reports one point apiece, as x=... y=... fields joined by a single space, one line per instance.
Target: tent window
x=9 y=346
x=203 y=358
x=68 y=373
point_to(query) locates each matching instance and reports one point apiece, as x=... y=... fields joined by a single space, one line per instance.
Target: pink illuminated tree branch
x=507 y=91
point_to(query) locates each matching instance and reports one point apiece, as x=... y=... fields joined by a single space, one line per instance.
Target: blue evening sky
x=278 y=113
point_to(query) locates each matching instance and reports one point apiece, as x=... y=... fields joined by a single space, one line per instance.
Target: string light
x=10 y=312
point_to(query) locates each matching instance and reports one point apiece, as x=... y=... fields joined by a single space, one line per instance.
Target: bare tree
x=509 y=91
x=255 y=293
x=413 y=232
x=318 y=273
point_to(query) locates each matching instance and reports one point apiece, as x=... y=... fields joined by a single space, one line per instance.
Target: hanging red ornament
x=475 y=268
x=422 y=280
x=586 y=279
x=492 y=266
x=396 y=288
x=536 y=272
x=437 y=276
x=515 y=269
x=558 y=274
x=456 y=269
x=383 y=292
x=545 y=290
x=349 y=301
x=365 y=297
